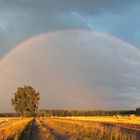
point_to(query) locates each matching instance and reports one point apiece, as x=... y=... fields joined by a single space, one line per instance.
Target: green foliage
x=26 y=101
x=137 y=111
x=64 y=113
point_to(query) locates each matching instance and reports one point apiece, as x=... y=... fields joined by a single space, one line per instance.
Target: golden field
x=132 y=119
x=12 y=127
x=71 y=128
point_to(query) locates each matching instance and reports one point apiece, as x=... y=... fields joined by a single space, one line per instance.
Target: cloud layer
x=74 y=69
x=21 y=19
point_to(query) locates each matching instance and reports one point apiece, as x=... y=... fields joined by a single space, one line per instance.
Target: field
x=71 y=128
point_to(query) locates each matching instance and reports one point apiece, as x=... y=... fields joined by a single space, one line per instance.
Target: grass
x=12 y=127
x=80 y=128
x=84 y=130
x=45 y=133
x=132 y=119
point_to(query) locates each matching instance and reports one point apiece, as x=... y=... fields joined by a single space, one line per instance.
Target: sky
x=21 y=20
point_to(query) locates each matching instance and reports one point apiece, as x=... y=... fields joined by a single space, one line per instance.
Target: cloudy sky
x=114 y=23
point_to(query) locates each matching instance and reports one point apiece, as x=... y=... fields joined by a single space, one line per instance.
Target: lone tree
x=26 y=101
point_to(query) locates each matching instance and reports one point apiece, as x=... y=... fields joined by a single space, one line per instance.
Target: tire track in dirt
x=31 y=132
x=55 y=133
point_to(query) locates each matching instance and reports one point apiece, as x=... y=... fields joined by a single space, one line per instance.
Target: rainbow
x=49 y=34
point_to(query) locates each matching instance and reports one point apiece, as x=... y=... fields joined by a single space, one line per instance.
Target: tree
x=138 y=111
x=26 y=101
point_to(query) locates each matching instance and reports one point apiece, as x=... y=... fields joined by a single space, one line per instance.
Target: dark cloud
x=21 y=19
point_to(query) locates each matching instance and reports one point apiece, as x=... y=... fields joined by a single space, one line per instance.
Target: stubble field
x=71 y=128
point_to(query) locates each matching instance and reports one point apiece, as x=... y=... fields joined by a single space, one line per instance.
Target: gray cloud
x=22 y=19
x=74 y=69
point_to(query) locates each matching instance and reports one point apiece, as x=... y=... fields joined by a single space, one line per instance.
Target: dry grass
x=81 y=128
x=12 y=127
x=132 y=119
x=45 y=133
x=87 y=130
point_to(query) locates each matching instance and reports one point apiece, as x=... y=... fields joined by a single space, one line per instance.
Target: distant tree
x=26 y=101
x=138 y=111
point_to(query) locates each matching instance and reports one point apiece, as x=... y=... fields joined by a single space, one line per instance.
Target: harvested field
x=68 y=128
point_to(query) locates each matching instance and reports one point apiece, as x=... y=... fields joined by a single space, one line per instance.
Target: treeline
x=137 y=111
x=8 y=114
x=64 y=113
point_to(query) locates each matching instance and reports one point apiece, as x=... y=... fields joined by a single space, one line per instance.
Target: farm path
x=32 y=132
x=39 y=130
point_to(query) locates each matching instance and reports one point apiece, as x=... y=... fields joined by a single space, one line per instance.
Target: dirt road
x=38 y=130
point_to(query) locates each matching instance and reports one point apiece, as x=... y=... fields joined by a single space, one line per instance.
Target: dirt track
x=34 y=131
